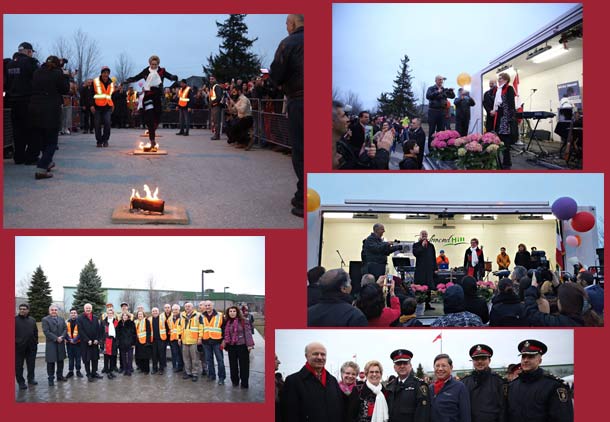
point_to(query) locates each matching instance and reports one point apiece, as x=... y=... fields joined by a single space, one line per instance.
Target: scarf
x=347 y=389
x=474 y=258
x=380 y=411
x=111 y=325
x=321 y=377
x=438 y=384
x=152 y=80
x=111 y=334
x=232 y=331
x=498 y=97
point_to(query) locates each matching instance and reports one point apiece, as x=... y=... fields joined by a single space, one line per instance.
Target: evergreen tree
x=401 y=101
x=89 y=290
x=420 y=372
x=39 y=295
x=234 y=59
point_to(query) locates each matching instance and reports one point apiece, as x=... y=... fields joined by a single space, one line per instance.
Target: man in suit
x=54 y=329
x=90 y=332
x=355 y=135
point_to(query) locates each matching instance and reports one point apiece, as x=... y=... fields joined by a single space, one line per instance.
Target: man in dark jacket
x=18 y=88
x=507 y=309
x=537 y=396
x=472 y=302
x=312 y=394
x=356 y=135
x=407 y=399
x=417 y=133
x=488 y=105
x=462 y=111
x=287 y=71
x=26 y=343
x=120 y=113
x=85 y=102
x=425 y=264
x=437 y=97
x=90 y=332
x=375 y=252
x=449 y=397
x=334 y=309
x=313 y=288
x=488 y=390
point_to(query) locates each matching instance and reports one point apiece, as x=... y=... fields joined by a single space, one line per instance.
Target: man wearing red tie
x=425 y=263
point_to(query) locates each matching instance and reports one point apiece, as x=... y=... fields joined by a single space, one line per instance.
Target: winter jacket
x=472 y=302
x=48 y=86
x=388 y=315
x=335 y=310
x=507 y=311
x=126 y=334
x=540 y=319
x=438 y=100
x=287 y=69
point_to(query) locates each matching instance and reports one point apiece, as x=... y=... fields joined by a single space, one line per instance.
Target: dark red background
x=286 y=249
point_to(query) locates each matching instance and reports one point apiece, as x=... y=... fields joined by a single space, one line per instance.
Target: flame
x=151 y=196
x=148 y=145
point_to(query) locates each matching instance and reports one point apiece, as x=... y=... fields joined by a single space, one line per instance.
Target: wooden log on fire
x=144 y=204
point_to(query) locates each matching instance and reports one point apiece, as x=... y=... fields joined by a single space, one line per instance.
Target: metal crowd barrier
x=7 y=150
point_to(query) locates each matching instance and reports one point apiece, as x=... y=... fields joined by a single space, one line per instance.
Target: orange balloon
x=578 y=239
x=313 y=200
x=464 y=79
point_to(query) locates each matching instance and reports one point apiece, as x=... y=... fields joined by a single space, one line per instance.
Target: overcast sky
x=369 y=40
x=174 y=262
x=342 y=345
x=183 y=42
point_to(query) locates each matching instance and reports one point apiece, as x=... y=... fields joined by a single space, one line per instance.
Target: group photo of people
x=102 y=331
x=239 y=101
x=429 y=375
x=464 y=109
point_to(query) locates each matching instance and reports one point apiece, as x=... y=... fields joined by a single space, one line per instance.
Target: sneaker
x=42 y=175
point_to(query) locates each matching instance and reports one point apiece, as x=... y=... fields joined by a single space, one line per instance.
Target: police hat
x=25 y=46
x=481 y=350
x=401 y=355
x=532 y=347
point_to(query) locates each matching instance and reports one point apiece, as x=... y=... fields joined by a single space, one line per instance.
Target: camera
x=63 y=62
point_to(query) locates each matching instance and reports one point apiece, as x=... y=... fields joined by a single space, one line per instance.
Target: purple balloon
x=564 y=208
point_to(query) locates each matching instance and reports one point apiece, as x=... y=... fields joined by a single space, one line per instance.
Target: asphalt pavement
x=219 y=185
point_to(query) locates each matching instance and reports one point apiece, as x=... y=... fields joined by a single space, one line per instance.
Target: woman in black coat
x=144 y=343
x=523 y=257
x=472 y=302
x=504 y=115
x=475 y=267
x=507 y=310
x=126 y=334
x=153 y=91
x=49 y=83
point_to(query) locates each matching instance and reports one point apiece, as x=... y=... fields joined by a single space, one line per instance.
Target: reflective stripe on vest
x=103 y=95
x=75 y=333
x=141 y=330
x=162 y=332
x=213 y=93
x=174 y=328
x=190 y=330
x=212 y=328
x=184 y=96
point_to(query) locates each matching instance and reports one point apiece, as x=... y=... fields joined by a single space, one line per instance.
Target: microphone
x=340 y=257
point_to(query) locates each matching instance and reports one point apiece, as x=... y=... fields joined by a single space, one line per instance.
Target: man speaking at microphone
x=425 y=264
x=375 y=252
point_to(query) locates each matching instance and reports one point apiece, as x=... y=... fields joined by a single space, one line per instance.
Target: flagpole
x=441 y=342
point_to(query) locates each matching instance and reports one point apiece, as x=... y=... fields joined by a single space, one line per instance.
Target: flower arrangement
x=441 y=288
x=478 y=151
x=420 y=291
x=485 y=289
x=443 y=146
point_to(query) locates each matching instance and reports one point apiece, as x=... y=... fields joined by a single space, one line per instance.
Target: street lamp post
x=202 y=287
x=224 y=298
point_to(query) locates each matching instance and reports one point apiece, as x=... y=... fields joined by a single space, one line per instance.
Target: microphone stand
x=340 y=257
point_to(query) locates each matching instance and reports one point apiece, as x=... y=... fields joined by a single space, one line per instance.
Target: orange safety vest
x=141 y=331
x=103 y=95
x=190 y=331
x=74 y=334
x=213 y=93
x=183 y=95
x=174 y=328
x=162 y=332
x=212 y=329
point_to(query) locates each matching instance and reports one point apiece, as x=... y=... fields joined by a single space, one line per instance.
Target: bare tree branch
x=63 y=49
x=123 y=67
x=87 y=56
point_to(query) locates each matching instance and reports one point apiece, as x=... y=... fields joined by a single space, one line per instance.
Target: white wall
x=347 y=236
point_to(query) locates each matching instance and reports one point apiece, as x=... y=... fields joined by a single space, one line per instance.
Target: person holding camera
x=375 y=252
x=437 y=97
x=462 y=111
x=49 y=83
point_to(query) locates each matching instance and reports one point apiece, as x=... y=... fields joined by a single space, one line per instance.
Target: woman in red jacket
x=372 y=303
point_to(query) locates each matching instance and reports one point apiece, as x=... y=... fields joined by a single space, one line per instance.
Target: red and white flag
x=440 y=336
x=560 y=250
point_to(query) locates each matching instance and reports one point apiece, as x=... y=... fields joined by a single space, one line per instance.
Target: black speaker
x=542 y=135
x=355 y=274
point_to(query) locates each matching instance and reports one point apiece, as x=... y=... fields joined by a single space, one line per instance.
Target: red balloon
x=583 y=221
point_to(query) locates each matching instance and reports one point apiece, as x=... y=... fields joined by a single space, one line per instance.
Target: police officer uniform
x=537 y=396
x=408 y=400
x=18 y=88
x=487 y=389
